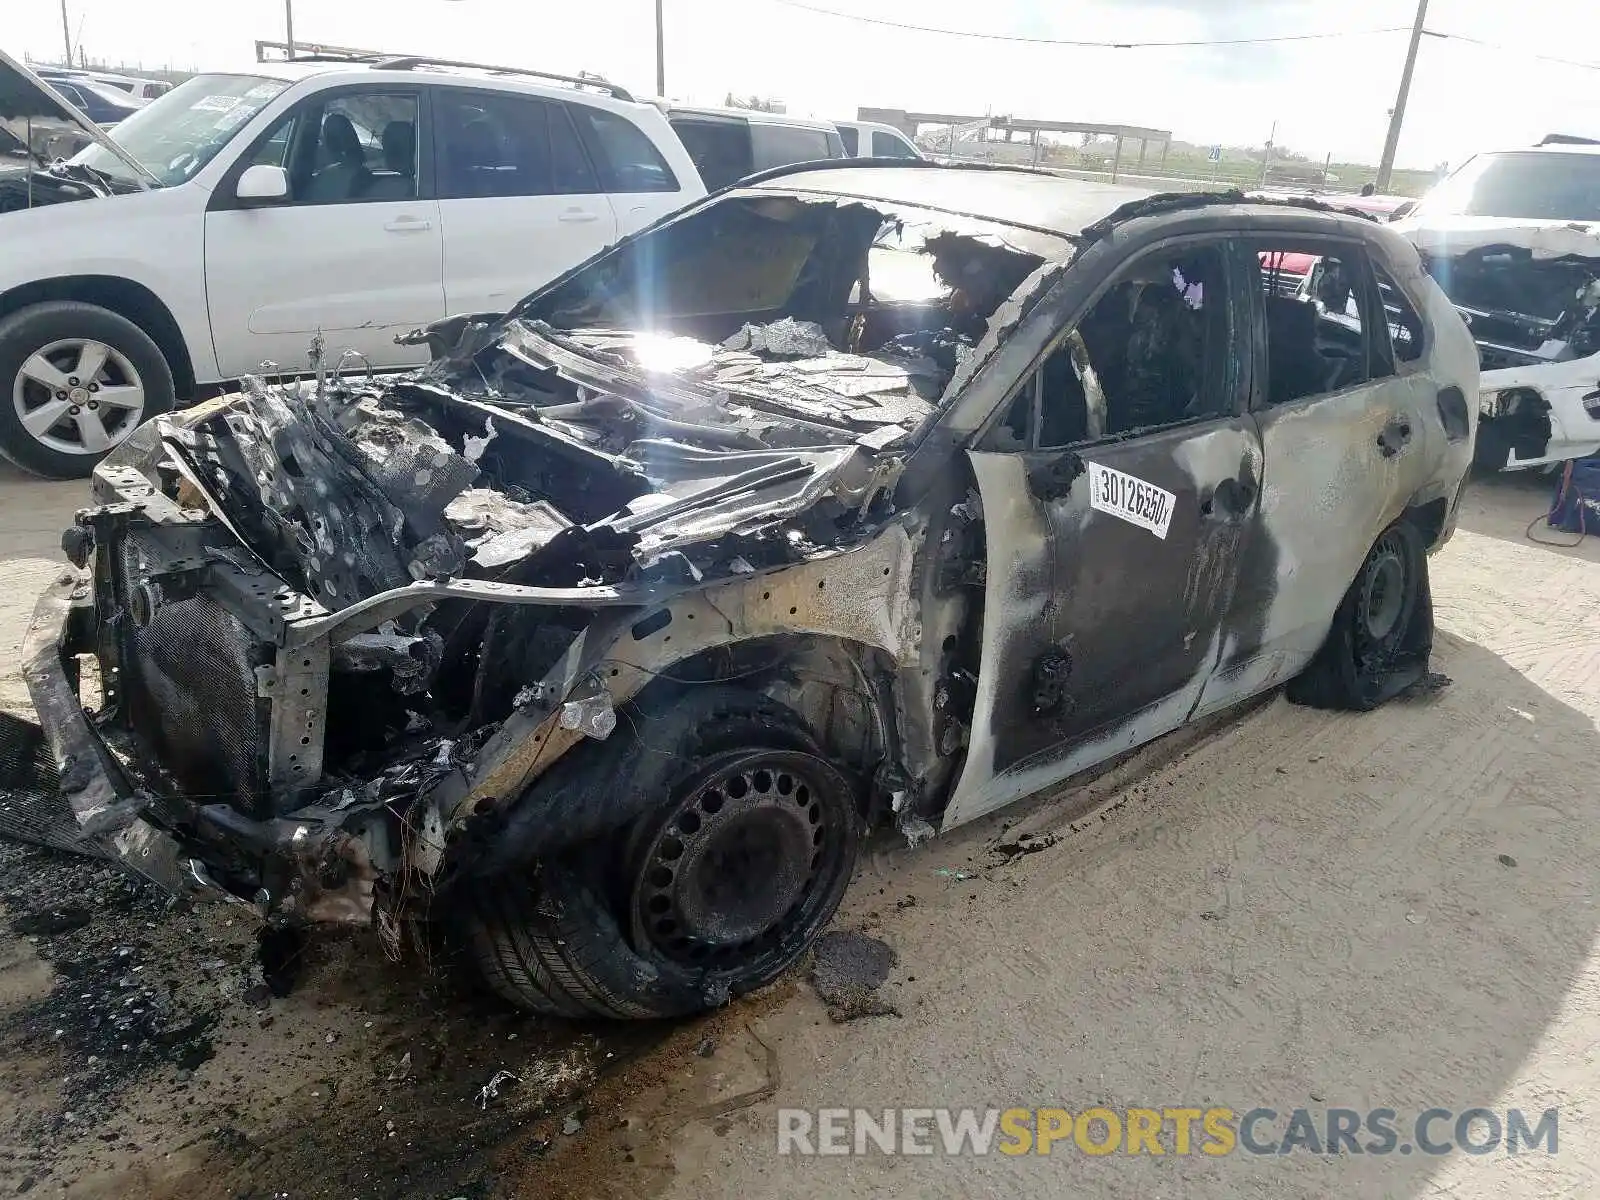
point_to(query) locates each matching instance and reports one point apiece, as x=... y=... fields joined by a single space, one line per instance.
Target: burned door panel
x=1110 y=570
x=1328 y=491
x=1346 y=447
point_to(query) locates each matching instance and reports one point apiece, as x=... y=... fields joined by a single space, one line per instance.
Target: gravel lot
x=1299 y=909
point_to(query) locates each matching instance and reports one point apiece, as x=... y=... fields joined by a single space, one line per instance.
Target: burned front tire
x=713 y=889
x=1382 y=633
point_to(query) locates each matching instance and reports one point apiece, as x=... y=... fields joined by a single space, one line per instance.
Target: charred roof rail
x=412 y=62
x=1567 y=139
x=879 y=164
x=1162 y=202
x=1169 y=202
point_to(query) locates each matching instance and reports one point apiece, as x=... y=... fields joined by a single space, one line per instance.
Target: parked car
x=358 y=200
x=868 y=139
x=871 y=494
x=1513 y=237
x=103 y=104
x=1290 y=271
x=729 y=143
x=140 y=89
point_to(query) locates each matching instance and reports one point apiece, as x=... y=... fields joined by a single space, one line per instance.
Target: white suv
x=246 y=212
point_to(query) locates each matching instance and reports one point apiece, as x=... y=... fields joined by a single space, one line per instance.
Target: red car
x=1288 y=271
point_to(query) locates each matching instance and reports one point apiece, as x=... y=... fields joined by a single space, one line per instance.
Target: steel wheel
x=742 y=863
x=78 y=396
x=1384 y=596
x=1383 y=588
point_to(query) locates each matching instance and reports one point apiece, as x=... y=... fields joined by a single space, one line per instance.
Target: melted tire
x=553 y=934
x=1358 y=669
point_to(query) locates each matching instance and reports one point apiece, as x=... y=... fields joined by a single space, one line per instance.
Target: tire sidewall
x=581 y=894
x=26 y=331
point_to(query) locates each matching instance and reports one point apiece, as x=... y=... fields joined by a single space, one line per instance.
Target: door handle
x=1230 y=500
x=578 y=216
x=408 y=225
x=1395 y=437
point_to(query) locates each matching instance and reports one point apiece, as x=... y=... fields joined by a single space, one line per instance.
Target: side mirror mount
x=262 y=183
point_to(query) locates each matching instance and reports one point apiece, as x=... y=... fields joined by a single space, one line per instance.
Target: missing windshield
x=761 y=321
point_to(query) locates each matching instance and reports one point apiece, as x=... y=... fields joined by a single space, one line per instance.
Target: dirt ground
x=1298 y=909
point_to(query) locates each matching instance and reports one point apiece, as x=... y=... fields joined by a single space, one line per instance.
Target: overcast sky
x=1327 y=96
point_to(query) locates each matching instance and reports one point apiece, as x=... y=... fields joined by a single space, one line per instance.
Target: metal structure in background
x=1391 y=142
x=909 y=122
x=66 y=33
x=661 y=54
x=270 y=51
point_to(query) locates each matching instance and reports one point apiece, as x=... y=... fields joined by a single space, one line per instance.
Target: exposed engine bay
x=1531 y=297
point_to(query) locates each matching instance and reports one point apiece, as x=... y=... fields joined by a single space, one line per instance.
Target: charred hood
x=1529 y=291
x=737 y=391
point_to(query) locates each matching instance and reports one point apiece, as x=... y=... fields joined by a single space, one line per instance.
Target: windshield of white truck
x=1529 y=185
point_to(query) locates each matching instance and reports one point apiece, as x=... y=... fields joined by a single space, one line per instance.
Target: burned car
x=1513 y=237
x=876 y=495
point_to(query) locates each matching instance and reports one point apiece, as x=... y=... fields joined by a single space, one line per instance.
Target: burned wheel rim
x=740 y=870
x=78 y=396
x=1384 y=588
x=1384 y=601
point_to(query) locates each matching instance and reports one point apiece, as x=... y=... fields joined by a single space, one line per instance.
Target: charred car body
x=1513 y=237
x=871 y=494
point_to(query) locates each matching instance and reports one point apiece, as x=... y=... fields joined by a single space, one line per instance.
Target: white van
x=868 y=139
x=727 y=144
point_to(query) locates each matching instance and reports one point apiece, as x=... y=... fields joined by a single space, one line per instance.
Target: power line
x=979 y=35
x=1461 y=37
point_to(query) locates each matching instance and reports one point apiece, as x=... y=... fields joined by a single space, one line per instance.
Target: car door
x=353 y=251
x=1117 y=495
x=719 y=144
x=640 y=183
x=778 y=144
x=519 y=199
x=1342 y=421
x=892 y=145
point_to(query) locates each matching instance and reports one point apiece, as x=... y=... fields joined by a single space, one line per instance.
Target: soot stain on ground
x=847 y=970
x=185 y=1070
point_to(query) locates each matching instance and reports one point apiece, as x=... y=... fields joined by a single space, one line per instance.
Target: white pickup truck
x=242 y=213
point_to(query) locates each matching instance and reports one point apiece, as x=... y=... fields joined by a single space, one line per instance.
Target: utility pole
x=661 y=54
x=1391 y=143
x=66 y=33
x=1266 y=153
x=288 y=28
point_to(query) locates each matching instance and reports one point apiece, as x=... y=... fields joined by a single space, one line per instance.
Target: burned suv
x=878 y=495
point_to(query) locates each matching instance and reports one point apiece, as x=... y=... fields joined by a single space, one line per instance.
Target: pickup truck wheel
x=715 y=891
x=1382 y=632
x=75 y=380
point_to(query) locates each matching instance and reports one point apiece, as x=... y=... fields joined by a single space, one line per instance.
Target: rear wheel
x=1382 y=632
x=719 y=886
x=75 y=380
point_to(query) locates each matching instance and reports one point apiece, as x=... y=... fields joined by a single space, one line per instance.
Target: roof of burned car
x=1076 y=210
x=1031 y=199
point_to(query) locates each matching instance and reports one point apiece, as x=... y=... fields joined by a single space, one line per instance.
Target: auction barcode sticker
x=1130 y=499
